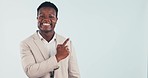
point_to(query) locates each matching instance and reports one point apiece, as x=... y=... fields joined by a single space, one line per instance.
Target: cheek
x=39 y=23
x=39 y=20
x=54 y=20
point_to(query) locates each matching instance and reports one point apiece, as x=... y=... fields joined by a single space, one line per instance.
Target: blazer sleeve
x=73 y=66
x=32 y=68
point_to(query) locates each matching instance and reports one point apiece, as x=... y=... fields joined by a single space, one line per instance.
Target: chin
x=46 y=31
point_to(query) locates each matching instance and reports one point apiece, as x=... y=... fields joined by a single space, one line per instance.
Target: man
x=46 y=54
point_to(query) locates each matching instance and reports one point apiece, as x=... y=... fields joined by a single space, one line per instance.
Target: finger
x=66 y=46
x=59 y=45
x=65 y=42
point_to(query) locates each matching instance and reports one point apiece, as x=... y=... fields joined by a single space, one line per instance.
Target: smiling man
x=45 y=54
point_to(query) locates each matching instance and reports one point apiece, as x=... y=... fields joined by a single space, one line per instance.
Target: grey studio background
x=109 y=36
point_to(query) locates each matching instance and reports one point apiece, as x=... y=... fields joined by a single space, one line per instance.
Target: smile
x=46 y=24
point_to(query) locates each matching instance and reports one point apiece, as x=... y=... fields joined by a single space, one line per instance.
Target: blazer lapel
x=41 y=46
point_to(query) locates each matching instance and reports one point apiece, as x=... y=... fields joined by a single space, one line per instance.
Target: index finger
x=65 y=42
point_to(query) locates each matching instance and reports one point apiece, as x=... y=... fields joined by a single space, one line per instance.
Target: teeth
x=46 y=24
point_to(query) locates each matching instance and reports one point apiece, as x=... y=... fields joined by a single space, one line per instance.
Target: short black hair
x=48 y=4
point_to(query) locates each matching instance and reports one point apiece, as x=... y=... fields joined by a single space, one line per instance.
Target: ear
x=37 y=18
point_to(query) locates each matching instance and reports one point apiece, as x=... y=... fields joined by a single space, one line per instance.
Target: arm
x=73 y=66
x=33 y=68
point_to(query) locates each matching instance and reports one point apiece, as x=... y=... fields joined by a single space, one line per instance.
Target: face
x=46 y=19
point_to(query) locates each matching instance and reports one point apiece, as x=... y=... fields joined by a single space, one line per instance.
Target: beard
x=45 y=31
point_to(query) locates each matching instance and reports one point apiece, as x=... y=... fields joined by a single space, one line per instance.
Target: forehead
x=47 y=10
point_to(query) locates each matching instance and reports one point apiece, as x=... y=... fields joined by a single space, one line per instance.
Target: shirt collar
x=40 y=36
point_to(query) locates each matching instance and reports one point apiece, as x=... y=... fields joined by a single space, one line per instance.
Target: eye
x=51 y=16
x=41 y=16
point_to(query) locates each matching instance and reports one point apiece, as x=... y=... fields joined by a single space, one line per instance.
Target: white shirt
x=51 y=46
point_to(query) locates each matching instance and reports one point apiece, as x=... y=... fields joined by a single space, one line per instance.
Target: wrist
x=58 y=59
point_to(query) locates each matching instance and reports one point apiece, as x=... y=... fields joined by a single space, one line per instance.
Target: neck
x=47 y=35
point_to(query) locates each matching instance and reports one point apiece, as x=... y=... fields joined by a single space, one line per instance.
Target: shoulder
x=29 y=38
x=60 y=37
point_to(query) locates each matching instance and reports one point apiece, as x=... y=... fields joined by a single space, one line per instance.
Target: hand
x=62 y=50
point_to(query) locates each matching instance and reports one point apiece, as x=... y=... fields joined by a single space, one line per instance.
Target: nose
x=46 y=19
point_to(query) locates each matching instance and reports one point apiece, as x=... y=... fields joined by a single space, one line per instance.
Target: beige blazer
x=37 y=63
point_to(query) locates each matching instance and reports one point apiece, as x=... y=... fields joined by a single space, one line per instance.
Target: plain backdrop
x=110 y=36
